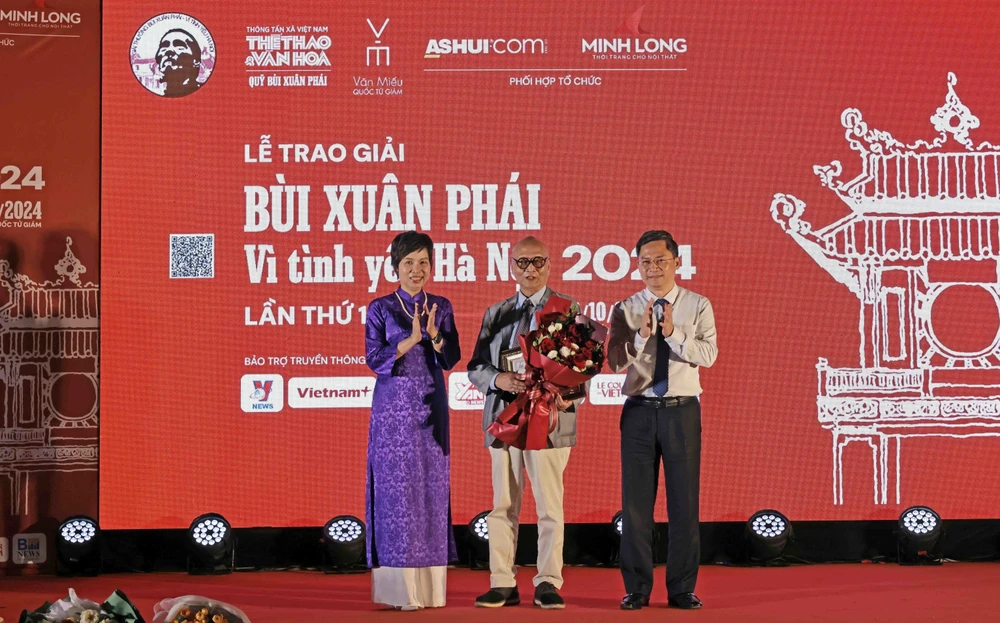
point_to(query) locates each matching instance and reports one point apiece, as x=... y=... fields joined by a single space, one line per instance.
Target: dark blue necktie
x=661 y=378
x=524 y=323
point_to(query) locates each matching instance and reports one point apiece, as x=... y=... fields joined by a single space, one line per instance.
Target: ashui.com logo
x=436 y=48
x=262 y=393
x=172 y=55
x=633 y=42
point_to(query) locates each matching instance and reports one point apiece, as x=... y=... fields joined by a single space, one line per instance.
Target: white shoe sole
x=549 y=606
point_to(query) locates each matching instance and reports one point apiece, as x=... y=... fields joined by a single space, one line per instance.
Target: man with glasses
x=661 y=336
x=502 y=325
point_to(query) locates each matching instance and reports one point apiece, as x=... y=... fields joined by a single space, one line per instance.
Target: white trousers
x=545 y=472
x=410 y=587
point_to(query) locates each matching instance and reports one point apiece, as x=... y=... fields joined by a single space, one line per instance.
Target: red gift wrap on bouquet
x=527 y=421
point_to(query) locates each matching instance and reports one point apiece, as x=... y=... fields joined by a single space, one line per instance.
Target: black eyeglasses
x=537 y=261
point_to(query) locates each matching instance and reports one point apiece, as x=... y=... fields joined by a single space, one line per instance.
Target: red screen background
x=699 y=152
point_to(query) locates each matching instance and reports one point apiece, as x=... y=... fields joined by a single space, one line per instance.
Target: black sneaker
x=547 y=597
x=498 y=598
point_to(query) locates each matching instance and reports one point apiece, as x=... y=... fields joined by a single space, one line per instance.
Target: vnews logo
x=262 y=393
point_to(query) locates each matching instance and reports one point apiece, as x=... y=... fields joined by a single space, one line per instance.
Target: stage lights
x=344 y=545
x=616 y=525
x=768 y=532
x=480 y=528
x=919 y=531
x=78 y=546
x=210 y=545
x=479 y=542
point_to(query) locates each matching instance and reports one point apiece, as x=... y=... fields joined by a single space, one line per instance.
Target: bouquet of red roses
x=564 y=352
x=563 y=338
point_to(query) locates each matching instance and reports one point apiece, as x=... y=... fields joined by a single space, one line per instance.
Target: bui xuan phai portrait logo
x=172 y=55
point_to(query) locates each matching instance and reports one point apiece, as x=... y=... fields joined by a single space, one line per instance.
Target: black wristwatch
x=437 y=339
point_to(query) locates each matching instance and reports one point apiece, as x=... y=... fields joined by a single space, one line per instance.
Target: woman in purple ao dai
x=410 y=339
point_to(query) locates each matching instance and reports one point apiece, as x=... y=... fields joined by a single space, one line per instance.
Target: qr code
x=192 y=256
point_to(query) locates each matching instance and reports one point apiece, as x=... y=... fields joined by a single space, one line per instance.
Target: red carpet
x=842 y=593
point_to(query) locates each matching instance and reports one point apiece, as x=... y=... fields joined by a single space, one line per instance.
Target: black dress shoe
x=634 y=601
x=548 y=597
x=498 y=598
x=685 y=601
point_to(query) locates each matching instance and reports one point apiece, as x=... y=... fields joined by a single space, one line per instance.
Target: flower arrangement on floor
x=560 y=356
x=72 y=609
x=196 y=609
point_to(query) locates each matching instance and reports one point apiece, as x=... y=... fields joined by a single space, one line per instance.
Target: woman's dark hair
x=408 y=242
x=657 y=234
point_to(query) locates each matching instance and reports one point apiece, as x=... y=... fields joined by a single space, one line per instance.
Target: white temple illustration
x=923 y=231
x=48 y=376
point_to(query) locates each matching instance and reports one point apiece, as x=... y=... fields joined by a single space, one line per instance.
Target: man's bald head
x=529 y=244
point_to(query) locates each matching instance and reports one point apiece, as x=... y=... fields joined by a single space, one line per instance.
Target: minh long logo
x=40 y=19
x=632 y=42
x=436 y=48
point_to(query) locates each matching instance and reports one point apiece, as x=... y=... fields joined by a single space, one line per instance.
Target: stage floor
x=852 y=593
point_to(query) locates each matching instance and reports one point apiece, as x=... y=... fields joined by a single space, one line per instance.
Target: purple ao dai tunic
x=408 y=509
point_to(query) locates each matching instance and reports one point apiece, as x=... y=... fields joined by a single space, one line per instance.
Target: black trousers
x=649 y=434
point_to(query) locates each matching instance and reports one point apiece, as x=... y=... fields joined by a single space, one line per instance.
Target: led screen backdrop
x=50 y=69
x=826 y=168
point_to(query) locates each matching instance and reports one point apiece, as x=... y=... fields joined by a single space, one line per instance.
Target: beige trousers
x=545 y=472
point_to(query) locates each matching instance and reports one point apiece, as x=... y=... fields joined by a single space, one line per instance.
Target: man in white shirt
x=502 y=324
x=661 y=336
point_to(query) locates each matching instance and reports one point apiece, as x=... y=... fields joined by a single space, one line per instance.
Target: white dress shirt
x=692 y=343
x=535 y=299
